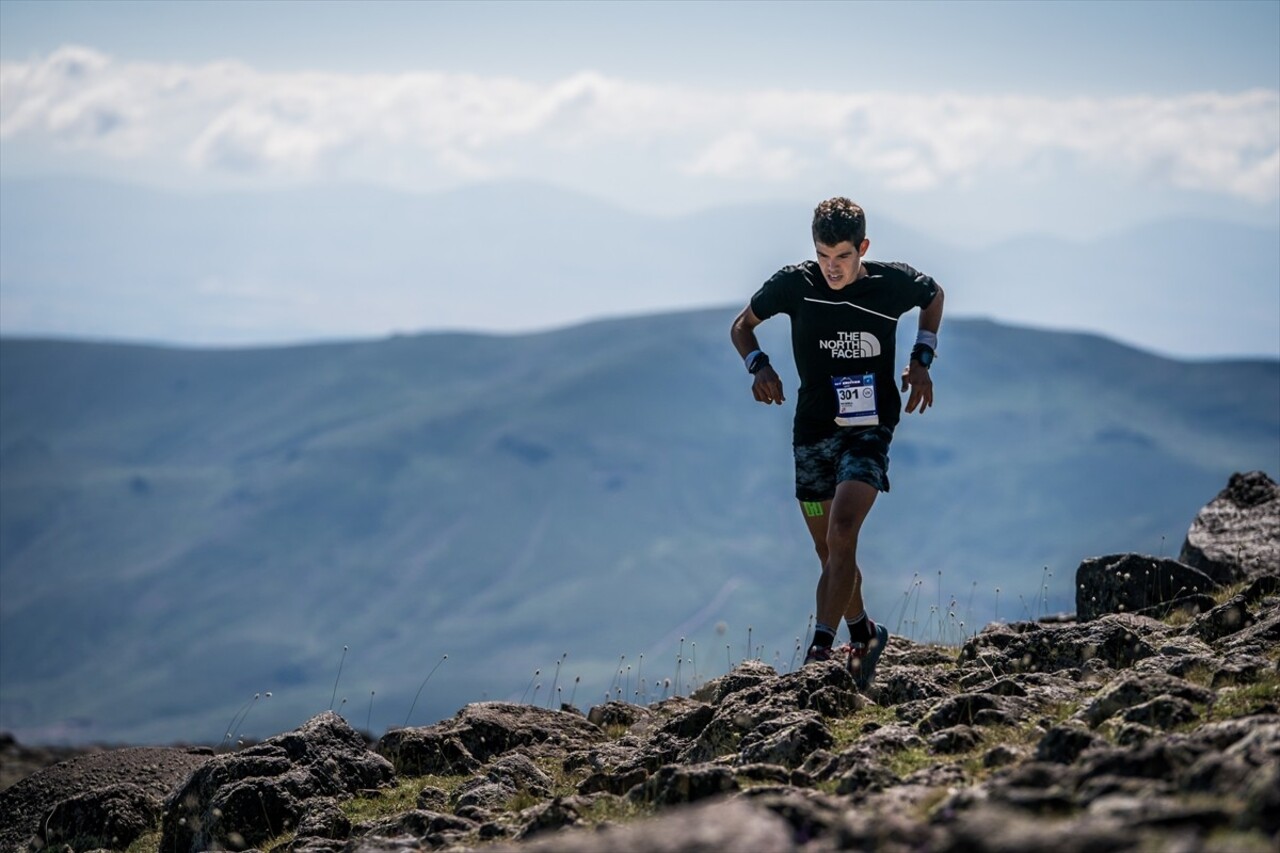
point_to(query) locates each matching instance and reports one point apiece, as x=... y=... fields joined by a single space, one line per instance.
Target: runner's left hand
x=916 y=376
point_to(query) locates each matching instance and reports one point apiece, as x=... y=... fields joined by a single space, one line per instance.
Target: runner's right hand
x=767 y=386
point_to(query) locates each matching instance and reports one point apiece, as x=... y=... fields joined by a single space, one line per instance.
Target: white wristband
x=929 y=339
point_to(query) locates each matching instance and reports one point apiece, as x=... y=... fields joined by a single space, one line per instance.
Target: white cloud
x=741 y=154
x=228 y=118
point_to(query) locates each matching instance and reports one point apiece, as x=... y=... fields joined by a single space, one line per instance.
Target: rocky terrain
x=1149 y=722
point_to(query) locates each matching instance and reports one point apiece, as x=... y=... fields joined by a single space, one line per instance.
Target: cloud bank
x=426 y=129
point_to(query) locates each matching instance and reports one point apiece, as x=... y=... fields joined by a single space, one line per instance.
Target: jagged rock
x=1063 y=744
x=24 y=805
x=1262 y=801
x=1162 y=712
x=323 y=819
x=675 y=784
x=690 y=723
x=764 y=773
x=735 y=825
x=1132 y=583
x=1157 y=759
x=999 y=829
x=616 y=782
x=937 y=776
x=1037 y=787
x=738 y=714
x=481 y=731
x=1133 y=689
x=1227 y=618
x=787 y=740
x=1184 y=605
x=111 y=817
x=241 y=799
x=813 y=817
x=548 y=817
x=433 y=828
x=1237 y=535
x=501 y=780
x=955 y=739
x=1001 y=755
x=888 y=740
x=866 y=776
x=622 y=714
x=1118 y=640
x=955 y=710
x=1133 y=734
x=432 y=799
x=1264 y=632
x=518 y=773
x=747 y=674
x=474 y=813
x=483 y=793
x=907 y=684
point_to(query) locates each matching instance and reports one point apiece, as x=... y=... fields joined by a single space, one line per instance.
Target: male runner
x=844 y=314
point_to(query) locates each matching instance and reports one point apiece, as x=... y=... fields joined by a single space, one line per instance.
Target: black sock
x=860 y=629
x=823 y=637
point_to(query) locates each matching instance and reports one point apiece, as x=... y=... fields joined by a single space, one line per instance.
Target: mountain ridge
x=290 y=266
x=228 y=507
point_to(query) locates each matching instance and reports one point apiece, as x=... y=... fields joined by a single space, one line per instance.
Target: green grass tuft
x=400 y=798
x=148 y=842
x=1242 y=700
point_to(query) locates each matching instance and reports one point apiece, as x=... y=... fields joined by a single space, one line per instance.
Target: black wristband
x=922 y=353
x=758 y=362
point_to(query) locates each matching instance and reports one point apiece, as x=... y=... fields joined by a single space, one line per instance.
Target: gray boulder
x=157 y=771
x=1132 y=583
x=112 y=817
x=239 y=800
x=1237 y=535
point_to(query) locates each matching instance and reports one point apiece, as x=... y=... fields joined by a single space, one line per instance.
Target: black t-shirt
x=843 y=333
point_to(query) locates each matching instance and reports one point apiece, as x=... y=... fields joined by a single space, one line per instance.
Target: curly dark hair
x=838 y=219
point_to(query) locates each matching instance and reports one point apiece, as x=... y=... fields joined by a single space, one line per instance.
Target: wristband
x=929 y=339
x=922 y=353
x=746 y=362
x=756 y=361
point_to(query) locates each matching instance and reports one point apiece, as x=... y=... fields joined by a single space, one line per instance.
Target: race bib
x=856 y=398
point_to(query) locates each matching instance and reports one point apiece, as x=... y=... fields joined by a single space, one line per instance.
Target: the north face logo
x=853 y=345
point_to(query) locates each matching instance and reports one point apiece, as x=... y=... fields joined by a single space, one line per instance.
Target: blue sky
x=1041 y=47
x=972 y=122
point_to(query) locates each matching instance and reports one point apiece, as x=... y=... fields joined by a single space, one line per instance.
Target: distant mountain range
x=183 y=528
x=89 y=259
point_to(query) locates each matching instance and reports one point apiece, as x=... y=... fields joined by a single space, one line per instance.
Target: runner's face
x=840 y=263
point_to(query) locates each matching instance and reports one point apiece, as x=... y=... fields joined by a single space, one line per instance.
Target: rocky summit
x=1149 y=721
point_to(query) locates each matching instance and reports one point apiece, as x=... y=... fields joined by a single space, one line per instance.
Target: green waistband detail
x=812 y=509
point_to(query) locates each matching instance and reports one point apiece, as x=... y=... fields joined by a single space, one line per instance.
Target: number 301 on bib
x=856 y=398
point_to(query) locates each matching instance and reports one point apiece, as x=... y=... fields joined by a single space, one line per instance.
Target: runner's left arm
x=916 y=376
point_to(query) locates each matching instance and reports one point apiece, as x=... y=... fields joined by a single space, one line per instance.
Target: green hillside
x=180 y=529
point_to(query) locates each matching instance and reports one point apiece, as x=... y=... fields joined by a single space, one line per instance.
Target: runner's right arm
x=766 y=385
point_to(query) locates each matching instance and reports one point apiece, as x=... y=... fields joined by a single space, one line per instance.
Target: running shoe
x=863 y=657
x=819 y=654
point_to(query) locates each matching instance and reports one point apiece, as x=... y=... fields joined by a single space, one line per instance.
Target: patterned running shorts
x=850 y=454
